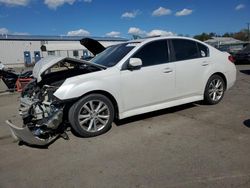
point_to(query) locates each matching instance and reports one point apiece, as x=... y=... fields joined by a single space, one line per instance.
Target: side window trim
x=207 y=50
x=170 y=54
x=198 y=49
x=124 y=66
x=172 y=51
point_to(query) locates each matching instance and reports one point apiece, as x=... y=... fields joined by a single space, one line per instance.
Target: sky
x=122 y=18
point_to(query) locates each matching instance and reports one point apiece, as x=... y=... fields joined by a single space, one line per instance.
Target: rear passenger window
x=153 y=53
x=185 y=49
x=203 y=50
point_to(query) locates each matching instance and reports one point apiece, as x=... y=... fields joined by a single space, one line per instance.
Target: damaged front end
x=42 y=115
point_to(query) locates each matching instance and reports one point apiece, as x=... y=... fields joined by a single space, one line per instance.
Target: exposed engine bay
x=40 y=111
x=44 y=116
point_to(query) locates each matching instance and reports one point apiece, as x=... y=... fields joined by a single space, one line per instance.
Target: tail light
x=231 y=58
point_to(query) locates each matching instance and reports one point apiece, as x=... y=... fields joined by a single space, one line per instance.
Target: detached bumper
x=25 y=135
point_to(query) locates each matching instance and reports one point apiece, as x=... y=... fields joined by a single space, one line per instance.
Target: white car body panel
x=106 y=80
x=150 y=88
x=141 y=88
x=159 y=106
x=189 y=76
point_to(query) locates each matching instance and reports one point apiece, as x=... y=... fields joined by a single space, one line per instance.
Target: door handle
x=167 y=70
x=204 y=63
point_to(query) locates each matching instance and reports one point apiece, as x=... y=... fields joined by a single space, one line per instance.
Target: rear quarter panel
x=221 y=64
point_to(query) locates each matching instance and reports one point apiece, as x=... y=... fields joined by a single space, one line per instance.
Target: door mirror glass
x=134 y=63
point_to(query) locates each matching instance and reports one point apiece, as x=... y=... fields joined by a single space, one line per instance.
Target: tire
x=92 y=115
x=215 y=89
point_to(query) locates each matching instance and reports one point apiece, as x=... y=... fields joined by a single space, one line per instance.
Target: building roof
x=223 y=41
x=62 y=47
x=55 y=38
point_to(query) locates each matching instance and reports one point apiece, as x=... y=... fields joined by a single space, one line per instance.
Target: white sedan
x=124 y=80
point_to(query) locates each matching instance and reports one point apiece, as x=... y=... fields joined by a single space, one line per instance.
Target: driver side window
x=153 y=53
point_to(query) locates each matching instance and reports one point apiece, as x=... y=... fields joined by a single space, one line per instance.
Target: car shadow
x=245 y=72
x=21 y=143
x=154 y=114
x=119 y=122
x=247 y=123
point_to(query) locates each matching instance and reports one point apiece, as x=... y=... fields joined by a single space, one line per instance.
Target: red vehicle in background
x=14 y=81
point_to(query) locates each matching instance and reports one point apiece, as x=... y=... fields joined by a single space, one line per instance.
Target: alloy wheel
x=94 y=116
x=216 y=90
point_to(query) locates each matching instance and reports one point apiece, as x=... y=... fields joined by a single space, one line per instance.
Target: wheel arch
x=207 y=99
x=109 y=96
x=222 y=76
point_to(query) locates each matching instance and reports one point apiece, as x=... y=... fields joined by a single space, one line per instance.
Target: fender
x=107 y=80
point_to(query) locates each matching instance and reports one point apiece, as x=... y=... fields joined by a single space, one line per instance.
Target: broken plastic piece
x=25 y=135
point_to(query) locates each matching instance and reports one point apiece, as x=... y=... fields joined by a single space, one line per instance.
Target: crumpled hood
x=42 y=65
x=48 y=62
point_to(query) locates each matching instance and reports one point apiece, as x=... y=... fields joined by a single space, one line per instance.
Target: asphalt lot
x=189 y=146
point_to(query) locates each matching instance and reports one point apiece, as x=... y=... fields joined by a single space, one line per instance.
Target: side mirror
x=134 y=64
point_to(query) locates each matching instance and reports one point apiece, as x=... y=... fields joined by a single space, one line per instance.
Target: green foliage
x=202 y=37
x=241 y=35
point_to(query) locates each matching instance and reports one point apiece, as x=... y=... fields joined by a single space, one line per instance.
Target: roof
x=55 y=38
x=62 y=47
x=148 y=39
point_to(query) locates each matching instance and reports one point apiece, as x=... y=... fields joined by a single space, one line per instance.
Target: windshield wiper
x=100 y=66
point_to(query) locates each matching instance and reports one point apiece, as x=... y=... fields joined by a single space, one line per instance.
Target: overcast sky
x=122 y=17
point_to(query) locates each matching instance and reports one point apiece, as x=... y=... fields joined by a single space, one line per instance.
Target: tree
x=202 y=37
x=228 y=34
x=212 y=34
x=242 y=35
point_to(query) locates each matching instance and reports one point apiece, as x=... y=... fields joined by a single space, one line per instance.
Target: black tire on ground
x=215 y=89
x=92 y=115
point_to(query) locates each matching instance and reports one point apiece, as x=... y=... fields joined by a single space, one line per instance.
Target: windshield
x=112 y=55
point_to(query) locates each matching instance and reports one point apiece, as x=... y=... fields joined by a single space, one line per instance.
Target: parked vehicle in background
x=233 y=49
x=243 y=56
x=123 y=80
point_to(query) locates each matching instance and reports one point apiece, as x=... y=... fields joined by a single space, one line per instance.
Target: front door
x=154 y=83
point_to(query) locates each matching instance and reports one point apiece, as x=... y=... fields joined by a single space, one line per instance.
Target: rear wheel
x=92 y=115
x=214 y=90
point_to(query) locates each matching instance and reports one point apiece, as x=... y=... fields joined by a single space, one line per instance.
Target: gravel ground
x=188 y=146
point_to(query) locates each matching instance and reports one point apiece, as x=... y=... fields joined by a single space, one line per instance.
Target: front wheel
x=214 y=90
x=92 y=115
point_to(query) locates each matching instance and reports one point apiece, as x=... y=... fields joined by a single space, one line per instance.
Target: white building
x=26 y=50
x=228 y=44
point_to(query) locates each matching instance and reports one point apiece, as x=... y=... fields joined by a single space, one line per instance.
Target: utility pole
x=248 y=31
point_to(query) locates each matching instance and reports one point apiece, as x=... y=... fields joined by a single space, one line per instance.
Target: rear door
x=191 y=62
